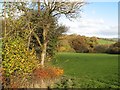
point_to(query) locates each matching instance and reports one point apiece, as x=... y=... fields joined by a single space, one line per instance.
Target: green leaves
x=16 y=58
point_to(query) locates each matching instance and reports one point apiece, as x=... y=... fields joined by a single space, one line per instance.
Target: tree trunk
x=43 y=53
x=28 y=43
x=44 y=46
x=5 y=28
x=38 y=6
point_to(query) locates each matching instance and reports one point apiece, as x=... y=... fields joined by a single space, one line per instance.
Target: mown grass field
x=102 y=42
x=90 y=70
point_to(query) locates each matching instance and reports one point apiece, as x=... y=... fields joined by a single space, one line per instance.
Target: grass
x=91 y=70
x=102 y=42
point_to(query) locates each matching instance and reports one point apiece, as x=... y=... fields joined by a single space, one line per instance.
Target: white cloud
x=90 y=27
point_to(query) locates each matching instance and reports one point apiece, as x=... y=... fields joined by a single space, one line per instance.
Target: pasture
x=90 y=70
x=103 y=42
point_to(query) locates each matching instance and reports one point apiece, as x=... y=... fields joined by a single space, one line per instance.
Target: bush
x=64 y=46
x=101 y=48
x=17 y=60
x=79 y=44
x=114 y=48
x=45 y=77
x=47 y=72
x=82 y=44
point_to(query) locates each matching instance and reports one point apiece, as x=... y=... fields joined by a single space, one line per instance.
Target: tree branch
x=36 y=36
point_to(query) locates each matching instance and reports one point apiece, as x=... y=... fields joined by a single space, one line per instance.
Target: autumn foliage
x=47 y=73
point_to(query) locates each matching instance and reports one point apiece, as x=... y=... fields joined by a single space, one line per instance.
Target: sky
x=98 y=19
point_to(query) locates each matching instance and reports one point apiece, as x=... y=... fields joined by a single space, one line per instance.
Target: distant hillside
x=114 y=39
x=105 y=41
x=88 y=43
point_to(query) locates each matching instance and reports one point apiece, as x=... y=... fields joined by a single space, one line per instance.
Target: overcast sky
x=97 y=19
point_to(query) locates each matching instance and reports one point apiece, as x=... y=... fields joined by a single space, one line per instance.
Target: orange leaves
x=14 y=85
x=58 y=71
x=1 y=72
x=47 y=73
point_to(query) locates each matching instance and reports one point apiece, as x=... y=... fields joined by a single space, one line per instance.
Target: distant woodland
x=83 y=44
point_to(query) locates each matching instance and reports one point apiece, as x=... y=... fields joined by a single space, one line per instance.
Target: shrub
x=101 y=48
x=47 y=72
x=17 y=60
x=79 y=44
x=82 y=44
x=64 y=46
x=114 y=48
x=46 y=76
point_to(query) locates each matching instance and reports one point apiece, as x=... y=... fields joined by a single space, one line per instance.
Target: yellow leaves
x=62 y=48
x=22 y=60
x=17 y=58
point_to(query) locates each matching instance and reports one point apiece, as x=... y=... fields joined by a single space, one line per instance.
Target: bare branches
x=55 y=8
x=67 y=8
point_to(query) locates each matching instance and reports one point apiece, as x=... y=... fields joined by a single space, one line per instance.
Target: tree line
x=83 y=44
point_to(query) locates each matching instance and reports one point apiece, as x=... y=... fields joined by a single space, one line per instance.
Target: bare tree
x=48 y=9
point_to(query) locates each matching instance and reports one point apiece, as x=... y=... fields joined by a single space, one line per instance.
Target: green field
x=102 y=42
x=91 y=70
